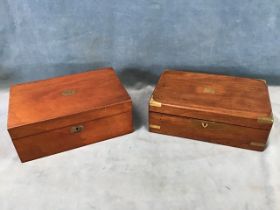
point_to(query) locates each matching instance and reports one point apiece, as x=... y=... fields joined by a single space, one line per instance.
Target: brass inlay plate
x=68 y=92
x=154 y=103
x=258 y=144
x=154 y=126
x=265 y=120
x=209 y=90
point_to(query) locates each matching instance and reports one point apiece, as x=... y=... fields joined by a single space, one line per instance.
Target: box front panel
x=46 y=126
x=70 y=137
x=232 y=135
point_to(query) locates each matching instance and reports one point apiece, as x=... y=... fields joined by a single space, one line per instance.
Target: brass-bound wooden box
x=214 y=108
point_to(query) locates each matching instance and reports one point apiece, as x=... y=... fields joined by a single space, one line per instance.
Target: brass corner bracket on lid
x=263 y=80
x=265 y=120
x=154 y=103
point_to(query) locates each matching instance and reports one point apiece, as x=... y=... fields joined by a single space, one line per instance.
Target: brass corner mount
x=154 y=103
x=266 y=120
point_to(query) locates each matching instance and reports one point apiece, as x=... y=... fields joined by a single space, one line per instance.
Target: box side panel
x=70 y=137
x=232 y=135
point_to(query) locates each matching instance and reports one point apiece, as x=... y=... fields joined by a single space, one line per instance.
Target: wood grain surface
x=61 y=139
x=220 y=98
x=216 y=108
x=42 y=113
x=220 y=133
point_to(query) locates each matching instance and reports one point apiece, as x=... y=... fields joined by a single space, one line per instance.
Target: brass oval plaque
x=68 y=92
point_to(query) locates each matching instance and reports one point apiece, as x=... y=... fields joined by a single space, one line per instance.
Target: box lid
x=218 y=98
x=43 y=105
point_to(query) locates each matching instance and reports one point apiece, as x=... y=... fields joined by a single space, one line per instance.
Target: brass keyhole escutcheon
x=77 y=129
x=204 y=124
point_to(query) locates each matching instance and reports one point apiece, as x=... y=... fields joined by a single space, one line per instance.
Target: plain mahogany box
x=214 y=108
x=54 y=115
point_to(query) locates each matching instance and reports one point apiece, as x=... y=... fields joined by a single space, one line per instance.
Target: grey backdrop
x=46 y=38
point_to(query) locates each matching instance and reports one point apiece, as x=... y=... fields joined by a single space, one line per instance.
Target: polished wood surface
x=59 y=140
x=220 y=98
x=215 y=108
x=47 y=125
x=44 y=100
x=220 y=133
x=42 y=113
